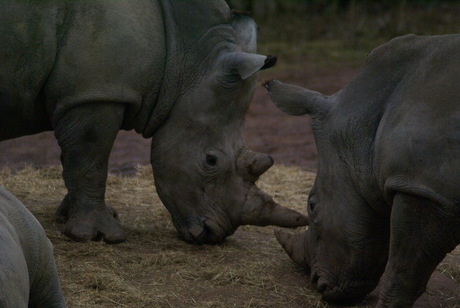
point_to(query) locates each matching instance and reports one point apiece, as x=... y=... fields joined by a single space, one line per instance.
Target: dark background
x=320 y=44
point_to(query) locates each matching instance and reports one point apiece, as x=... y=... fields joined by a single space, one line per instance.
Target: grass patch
x=153 y=268
x=304 y=33
x=450 y=267
x=156 y=269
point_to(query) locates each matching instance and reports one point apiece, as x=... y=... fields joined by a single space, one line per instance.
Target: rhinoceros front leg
x=86 y=134
x=422 y=233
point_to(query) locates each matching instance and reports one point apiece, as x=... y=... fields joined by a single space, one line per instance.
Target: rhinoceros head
x=345 y=247
x=204 y=174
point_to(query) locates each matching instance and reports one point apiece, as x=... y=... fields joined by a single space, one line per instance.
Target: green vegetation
x=337 y=32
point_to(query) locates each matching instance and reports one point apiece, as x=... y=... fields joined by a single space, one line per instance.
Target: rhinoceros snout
x=206 y=231
x=197 y=233
x=343 y=293
x=322 y=285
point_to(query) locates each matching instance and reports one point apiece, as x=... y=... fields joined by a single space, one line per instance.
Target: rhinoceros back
x=62 y=54
x=109 y=52
x=420 y=127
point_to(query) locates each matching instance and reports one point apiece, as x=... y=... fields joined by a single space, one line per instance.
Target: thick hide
x=386 y=200
x=28 y=274
x=180 y=72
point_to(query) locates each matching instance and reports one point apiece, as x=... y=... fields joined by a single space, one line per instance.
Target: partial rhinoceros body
x=28 y=274
x=387 y=194
x=181 y=72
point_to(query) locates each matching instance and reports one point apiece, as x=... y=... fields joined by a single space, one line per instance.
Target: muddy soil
x=288 y=139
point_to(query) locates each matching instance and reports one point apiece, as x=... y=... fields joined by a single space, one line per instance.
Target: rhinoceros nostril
x=314 y=277
x=322 y=285
x=196 y=231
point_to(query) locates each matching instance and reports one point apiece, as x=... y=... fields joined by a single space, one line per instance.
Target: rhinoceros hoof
x=95 y=225
x=62 y=213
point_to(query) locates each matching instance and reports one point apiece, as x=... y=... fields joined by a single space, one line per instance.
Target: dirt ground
x=288 y=139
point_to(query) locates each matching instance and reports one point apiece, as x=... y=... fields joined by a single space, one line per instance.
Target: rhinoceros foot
x=84 y=223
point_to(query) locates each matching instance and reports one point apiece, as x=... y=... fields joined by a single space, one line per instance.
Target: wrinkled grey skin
x=28 y=274
x=182 y=72
x=387 y=193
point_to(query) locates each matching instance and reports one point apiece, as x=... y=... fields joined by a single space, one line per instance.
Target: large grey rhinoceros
x=387 y=193
x=28 y=274
x=182 y=72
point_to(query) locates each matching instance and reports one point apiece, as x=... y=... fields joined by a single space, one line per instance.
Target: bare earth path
x=288 y=139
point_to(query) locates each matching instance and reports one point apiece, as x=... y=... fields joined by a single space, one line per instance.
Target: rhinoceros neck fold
x=185 y=24
x=359 y=113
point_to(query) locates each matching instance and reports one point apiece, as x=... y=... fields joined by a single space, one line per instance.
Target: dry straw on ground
x=156 y=269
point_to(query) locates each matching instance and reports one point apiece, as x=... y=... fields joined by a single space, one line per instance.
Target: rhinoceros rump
x=387 y=193
x=181 y=72
x=28 y=274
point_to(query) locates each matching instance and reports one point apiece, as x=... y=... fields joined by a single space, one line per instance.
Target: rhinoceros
x=386 y=199
x=28 y=274
x=182 y=72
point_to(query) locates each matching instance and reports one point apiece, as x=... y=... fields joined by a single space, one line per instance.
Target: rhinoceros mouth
x=345 y=292
x=206 y=231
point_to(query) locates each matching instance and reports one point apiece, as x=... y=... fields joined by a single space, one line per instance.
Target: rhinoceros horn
x=295 y=246
x=251 y=164
x=261 y=210
x=295 y=100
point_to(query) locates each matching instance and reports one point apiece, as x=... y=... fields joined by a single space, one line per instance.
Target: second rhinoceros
x=182 y=72
x=387 y=193
x=28 y=273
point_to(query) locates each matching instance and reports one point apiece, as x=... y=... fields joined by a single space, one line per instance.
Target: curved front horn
x=261 y=210
x=295 y=246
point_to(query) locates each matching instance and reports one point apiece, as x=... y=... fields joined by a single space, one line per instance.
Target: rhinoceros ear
x=246 y=31
x=295 y=100
x=246 y=64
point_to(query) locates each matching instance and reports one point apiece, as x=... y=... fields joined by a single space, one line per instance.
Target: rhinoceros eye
x=312 y=203
x=211 y=160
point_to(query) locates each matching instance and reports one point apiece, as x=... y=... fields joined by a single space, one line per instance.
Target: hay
x=154 y=268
